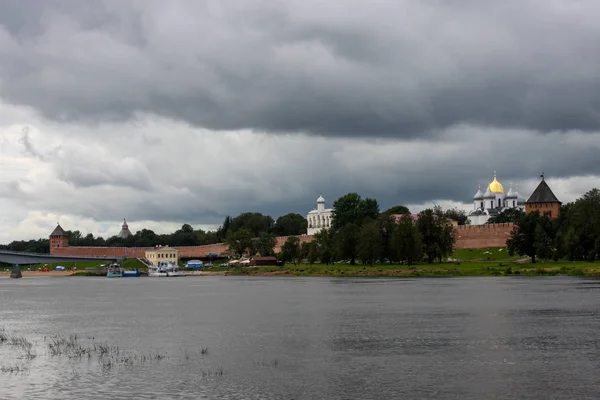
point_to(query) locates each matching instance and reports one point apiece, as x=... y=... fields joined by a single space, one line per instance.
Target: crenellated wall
x=467 y=237
x=482 y=236
x=139 y=252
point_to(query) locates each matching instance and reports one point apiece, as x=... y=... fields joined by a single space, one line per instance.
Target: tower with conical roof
x=125 y=232
x=543 y=200
x=58 y=238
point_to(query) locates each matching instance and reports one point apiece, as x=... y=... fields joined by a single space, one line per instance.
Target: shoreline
x=464 y=269
x=30 y=274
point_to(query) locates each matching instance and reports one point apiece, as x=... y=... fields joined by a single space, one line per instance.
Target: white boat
x=164 y=269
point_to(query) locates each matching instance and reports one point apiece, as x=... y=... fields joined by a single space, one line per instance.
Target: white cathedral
x=493 y=202
x=320 y=218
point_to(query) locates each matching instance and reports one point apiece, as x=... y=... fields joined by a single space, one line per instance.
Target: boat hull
x=157 y=275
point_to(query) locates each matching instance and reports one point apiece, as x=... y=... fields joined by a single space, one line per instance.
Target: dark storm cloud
x=343 y=68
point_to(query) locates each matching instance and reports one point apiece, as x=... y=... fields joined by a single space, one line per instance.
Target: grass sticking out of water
x=107 y=356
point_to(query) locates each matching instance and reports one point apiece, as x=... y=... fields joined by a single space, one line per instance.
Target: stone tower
x=58 y=238
x=543 y=200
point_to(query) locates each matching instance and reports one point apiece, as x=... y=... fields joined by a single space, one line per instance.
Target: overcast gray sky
x=171 y=112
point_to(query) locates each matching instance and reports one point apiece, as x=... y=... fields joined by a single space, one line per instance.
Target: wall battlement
x=467 y=237
x=139 y=252
x=483 y=236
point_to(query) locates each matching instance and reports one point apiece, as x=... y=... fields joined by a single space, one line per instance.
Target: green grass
x=130 y=263
x=487 y=254
x=428 y=270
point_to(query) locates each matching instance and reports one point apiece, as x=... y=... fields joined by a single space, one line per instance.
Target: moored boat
x=131 y=273
x=114 y=271
x=164 y=269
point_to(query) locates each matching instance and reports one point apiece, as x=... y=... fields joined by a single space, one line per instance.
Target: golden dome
x=495 y=186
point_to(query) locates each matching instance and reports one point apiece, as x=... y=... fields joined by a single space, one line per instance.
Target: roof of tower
x=58 y=231
x=496 y=186
x=125 y=232
x=543 y=194
x=479 y=194
x=320 y=199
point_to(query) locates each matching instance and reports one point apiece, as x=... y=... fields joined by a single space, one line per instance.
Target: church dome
x=511 y=194
x=320 y=199
x=489 y=194
x=479 y=194
x=495 y=186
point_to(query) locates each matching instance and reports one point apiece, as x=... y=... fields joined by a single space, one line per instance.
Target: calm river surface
x=302 y=338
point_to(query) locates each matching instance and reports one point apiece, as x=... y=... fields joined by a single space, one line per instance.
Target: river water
x=301 y=338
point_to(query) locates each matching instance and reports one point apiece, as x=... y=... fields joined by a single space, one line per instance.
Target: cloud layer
x=167 y=112
x=346 y=68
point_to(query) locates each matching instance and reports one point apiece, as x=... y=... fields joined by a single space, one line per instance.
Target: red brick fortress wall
x=482 y=236
x=139 y=252
x=467 y=237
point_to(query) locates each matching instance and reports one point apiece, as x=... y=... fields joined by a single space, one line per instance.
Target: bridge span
x=23 y=258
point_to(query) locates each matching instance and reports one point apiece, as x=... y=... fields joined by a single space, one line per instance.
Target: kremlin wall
x=476 y=236
x=467 y=237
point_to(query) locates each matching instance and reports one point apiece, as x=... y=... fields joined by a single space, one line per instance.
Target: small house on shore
x=162 y=254
x=263 y=261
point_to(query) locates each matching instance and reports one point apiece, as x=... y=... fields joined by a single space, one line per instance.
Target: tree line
x=574 y=235
x=360 y=232
x=253 y=222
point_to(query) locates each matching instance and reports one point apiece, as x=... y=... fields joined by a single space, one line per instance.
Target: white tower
x=320 y=204
x=320 y=218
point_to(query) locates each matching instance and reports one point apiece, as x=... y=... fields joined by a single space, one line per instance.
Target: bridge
x=23 y=258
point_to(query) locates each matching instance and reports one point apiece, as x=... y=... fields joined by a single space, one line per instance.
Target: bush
x=576 y=272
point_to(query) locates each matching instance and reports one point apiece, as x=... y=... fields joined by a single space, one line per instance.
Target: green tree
x=254 y=222
x=397 y=210
x=370 y=245
x=290 y=251
x=223 y=230
x=312 y=253
x=352 y=209
x=184 y=236
x=542 y=243
x=291 y=224
x=532 y=234
x=266 y=244
x=406 y=241
x=387 y=224
x=308 y=251
x=508 y=215
x=346 y=242
x=239 y=241
x=583 y=216
x=458 y=215
x=437 y=235
x=324 y=245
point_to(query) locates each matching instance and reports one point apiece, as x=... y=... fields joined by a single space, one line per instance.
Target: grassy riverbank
x=464 y=262
x=130 y=263
x=426 y=270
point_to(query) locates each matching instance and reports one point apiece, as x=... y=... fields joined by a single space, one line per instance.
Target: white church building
x=493 y=202
x=320 y=218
